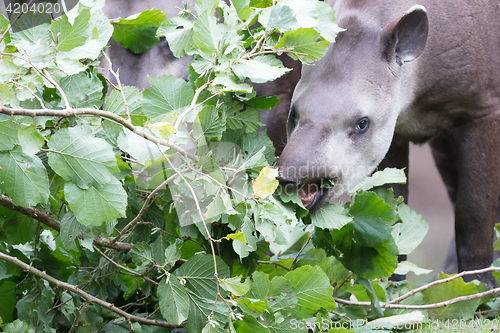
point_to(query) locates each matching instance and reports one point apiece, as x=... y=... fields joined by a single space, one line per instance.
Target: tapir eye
x=362 y=125
x=292 y=121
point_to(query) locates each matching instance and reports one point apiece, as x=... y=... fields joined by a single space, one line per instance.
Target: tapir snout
x=404 y=72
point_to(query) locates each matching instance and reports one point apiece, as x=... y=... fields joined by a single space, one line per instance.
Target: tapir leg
x=469 y=162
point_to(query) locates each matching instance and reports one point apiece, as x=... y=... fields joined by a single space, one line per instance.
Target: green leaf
x=230 y=82
x=330 y=217
x=249 y=324
x=209 y=123
x=16 y=227
x=173 y=300
x=70 y=35
x=83 y=90
x=248 y=119
x=207 y=34
x=405 y=266
x=379 y=178
x=242 y=8
x=32 y=27
x=372 y=219
x=8 y=134
x=376 y=308
x=114 y=102
x=138 y=32
x=409 y=234
x=167 y=94
x=235 y=286
x=282 y=17
x=18 y=326
x=304 y=40
x=263 y=102
x=76 y=155
x=313 y=290
x=70 y=230
x=139 y=148
x=173 y=253
x=93 y=206
x=23 y=178
x=326 y=22
x=198 y=272
x=266 y=183
x=446 y=291
x=7 y=290
x=199 y=310
x=261 y=3
x=260 y=69
x=142 y=255
x=366 y=262
x=30 y=139
x=178 y=31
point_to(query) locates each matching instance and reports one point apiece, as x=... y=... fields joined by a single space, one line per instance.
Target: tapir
x=405 y=71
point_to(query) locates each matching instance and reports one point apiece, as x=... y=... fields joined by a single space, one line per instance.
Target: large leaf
x=8 y=134
x=93 y=206
x=178 y=32
x=70 y=230
x=115 y=103
x=313 y=290
x=207 y=34
x=30 y=139
x=24 y=178
x=379 y=178
x=138 y=32
x=409 y=234
x=173 y=300
x=167 y=94
x=83 y=90
x=138 y=147
x=70 y=35
x=260 y=69
x=76 y=155
x=366 y=262
x=445 y=291
x=248 y=119
x=209 y=123
x=372 y=219
x=198 y=272
x=330 y=217
x=304 y=41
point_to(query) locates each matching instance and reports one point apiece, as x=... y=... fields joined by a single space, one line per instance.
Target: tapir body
x=406 y=71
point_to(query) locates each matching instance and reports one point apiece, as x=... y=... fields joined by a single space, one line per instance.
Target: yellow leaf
x=239 y=236
x=165 y=128
x=266 y=183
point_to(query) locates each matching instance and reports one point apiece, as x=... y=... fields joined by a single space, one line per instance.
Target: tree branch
x=83 y=294
x=422 y=307
x=427 y=286
x=52 y=223
x=94 y=112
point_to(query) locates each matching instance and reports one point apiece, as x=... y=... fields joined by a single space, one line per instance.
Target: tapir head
x=345 y=106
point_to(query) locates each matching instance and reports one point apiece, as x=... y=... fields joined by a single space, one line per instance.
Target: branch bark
x=83 y=294
x=52 y=223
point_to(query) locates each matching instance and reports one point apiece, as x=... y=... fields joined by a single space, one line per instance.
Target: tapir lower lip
x=320 y=195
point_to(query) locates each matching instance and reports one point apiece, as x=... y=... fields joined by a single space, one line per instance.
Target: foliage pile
x=151 y=210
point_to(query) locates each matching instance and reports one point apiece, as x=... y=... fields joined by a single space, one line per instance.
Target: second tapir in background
x=406 y=71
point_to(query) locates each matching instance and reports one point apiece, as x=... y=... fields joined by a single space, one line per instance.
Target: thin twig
x=123 y=267
x=31 y=91
x=210 y=239
x=52 y=223
x=74 y=327
x=343 y=282
x=272 y=263
x=302 y=249
x=144 y=206
x=120 y=87
x=193 y=104
x=422 y=307
x=83 y=294
x=94 y=112
x=429 y=285
x=13 y=22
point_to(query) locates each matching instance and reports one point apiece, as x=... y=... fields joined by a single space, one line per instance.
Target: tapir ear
x=404 y=39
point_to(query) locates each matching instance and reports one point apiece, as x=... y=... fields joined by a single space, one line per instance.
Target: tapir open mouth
x=313 y=195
